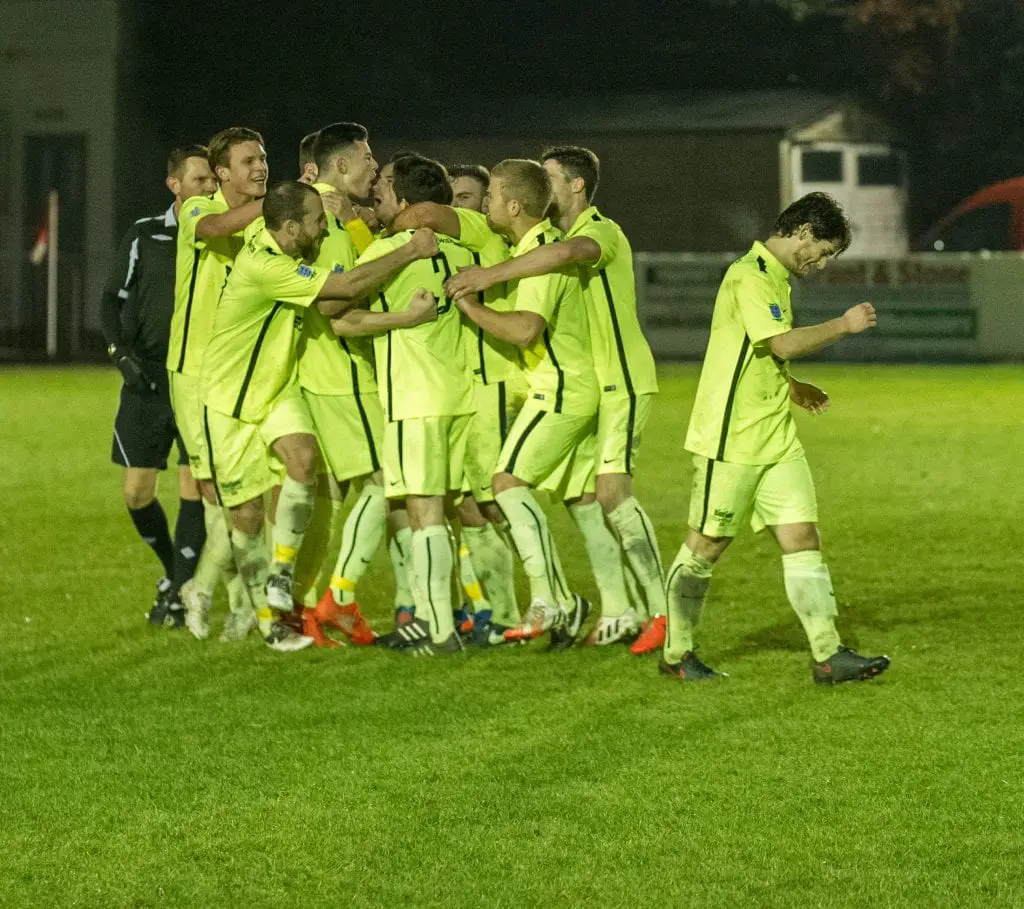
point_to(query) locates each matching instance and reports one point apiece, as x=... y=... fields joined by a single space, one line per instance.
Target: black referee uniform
x=138 y=302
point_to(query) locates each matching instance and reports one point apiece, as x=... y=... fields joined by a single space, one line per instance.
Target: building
x=700 y=172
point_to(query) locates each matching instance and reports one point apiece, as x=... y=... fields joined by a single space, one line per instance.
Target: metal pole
x=53 y=241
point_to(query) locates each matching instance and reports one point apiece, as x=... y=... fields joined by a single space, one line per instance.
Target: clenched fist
x=859 y=318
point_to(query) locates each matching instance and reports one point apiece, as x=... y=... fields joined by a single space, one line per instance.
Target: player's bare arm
x=520 y=328
x=361 y=323
x=441 y=218
x=799 y=342
x=811 y=398
x=343 y=290
x=540 y=261
x=229 y=222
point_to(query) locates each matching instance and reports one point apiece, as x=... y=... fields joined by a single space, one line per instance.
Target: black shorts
x=144 y=429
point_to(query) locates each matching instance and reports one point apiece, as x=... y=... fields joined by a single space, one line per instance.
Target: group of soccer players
x=446 y=343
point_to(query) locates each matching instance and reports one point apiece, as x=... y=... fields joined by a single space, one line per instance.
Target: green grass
x=141 y=768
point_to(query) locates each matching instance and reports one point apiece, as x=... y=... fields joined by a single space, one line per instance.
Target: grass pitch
x=141 y=768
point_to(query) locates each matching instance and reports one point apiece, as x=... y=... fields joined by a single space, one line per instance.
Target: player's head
x=412 y=179
x=810 y=233
x=574 y=172
x=239 y=161
x=519 y=188
x=342 y=156
x=189 y=174
x=295 y=215
x=307 y=167
x=469 y=185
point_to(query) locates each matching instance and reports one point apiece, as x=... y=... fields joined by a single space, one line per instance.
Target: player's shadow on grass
x=868 y=617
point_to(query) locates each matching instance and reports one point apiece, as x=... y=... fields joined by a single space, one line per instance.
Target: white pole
x=53 y=241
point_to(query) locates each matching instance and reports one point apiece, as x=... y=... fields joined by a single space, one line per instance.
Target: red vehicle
x=992 y=219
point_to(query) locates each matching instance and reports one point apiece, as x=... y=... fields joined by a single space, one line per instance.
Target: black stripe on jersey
x=253 y=357
x=630 y=429
x=620 y=347
x=744 y=347
x=502 y=412
x=209 y=454
x=518 y=447
x=558 y=369
x=707 y=495
x=482 y=371
x=387 y=360
x=188 y=309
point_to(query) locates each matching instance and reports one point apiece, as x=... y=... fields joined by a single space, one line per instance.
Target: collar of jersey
x=325 y=188
x=586 y=215
x=169 y=219
x=266 y=238
x=530 y=235
x=775 y=268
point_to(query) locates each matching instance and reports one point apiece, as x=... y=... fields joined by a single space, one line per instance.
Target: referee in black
x=137 y=305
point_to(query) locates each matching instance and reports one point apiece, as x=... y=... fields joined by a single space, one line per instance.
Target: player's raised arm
x=540 y=261
x=230 y=222
x=441 y=218
x=799 y=342
x=341 y=291
x=359 y=323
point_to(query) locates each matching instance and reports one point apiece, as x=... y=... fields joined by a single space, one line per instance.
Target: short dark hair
x=178 y=156
x=525 y=181
x=332 y=140
x=576 y=161
x=306 y=150
x=225 y=140
x=476 y=171
x=419 y=179
x=404 y=153
x=825 y=216
x=286 y=202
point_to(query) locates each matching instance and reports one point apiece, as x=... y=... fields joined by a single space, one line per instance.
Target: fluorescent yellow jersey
x=741 y=412
x=329 y=365
x=422 y=370
x=202 y=269
x=251 y=357
x=490 y=360
x=560 y=366
x=622 y=356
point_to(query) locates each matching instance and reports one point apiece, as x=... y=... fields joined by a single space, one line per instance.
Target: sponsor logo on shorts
x=298 y=323
x=304 y=271
x=539 y=397
x=609 y=388
x=724 y=515
x=230 y=487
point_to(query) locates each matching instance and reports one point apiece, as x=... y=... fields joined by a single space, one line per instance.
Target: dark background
x=948 y=73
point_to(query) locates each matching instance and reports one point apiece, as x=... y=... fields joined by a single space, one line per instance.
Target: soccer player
x=256 y=421
x=626 y=372
x=426 y=393
x=339 y=387
x=307 y=164
x=136 y=316
x=748 y=461
x=469 y=186
x=209 y=237
x=548 y=322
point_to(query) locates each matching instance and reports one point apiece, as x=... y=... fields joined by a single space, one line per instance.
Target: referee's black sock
x=189 y=536
x=151 y=523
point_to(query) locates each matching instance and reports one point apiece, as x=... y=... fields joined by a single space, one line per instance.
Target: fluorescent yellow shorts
x=496 y=408
x=244 y=465
x=620 y=422
x=724 y=494
x=350 y=429
x=425 y=456
x=574 y=476
x=540 y=440
x=188 y=416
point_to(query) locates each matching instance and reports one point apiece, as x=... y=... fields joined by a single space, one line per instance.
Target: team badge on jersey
x=776 y=311
x=305 y=271
x=195 y=211
x=338 y=268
